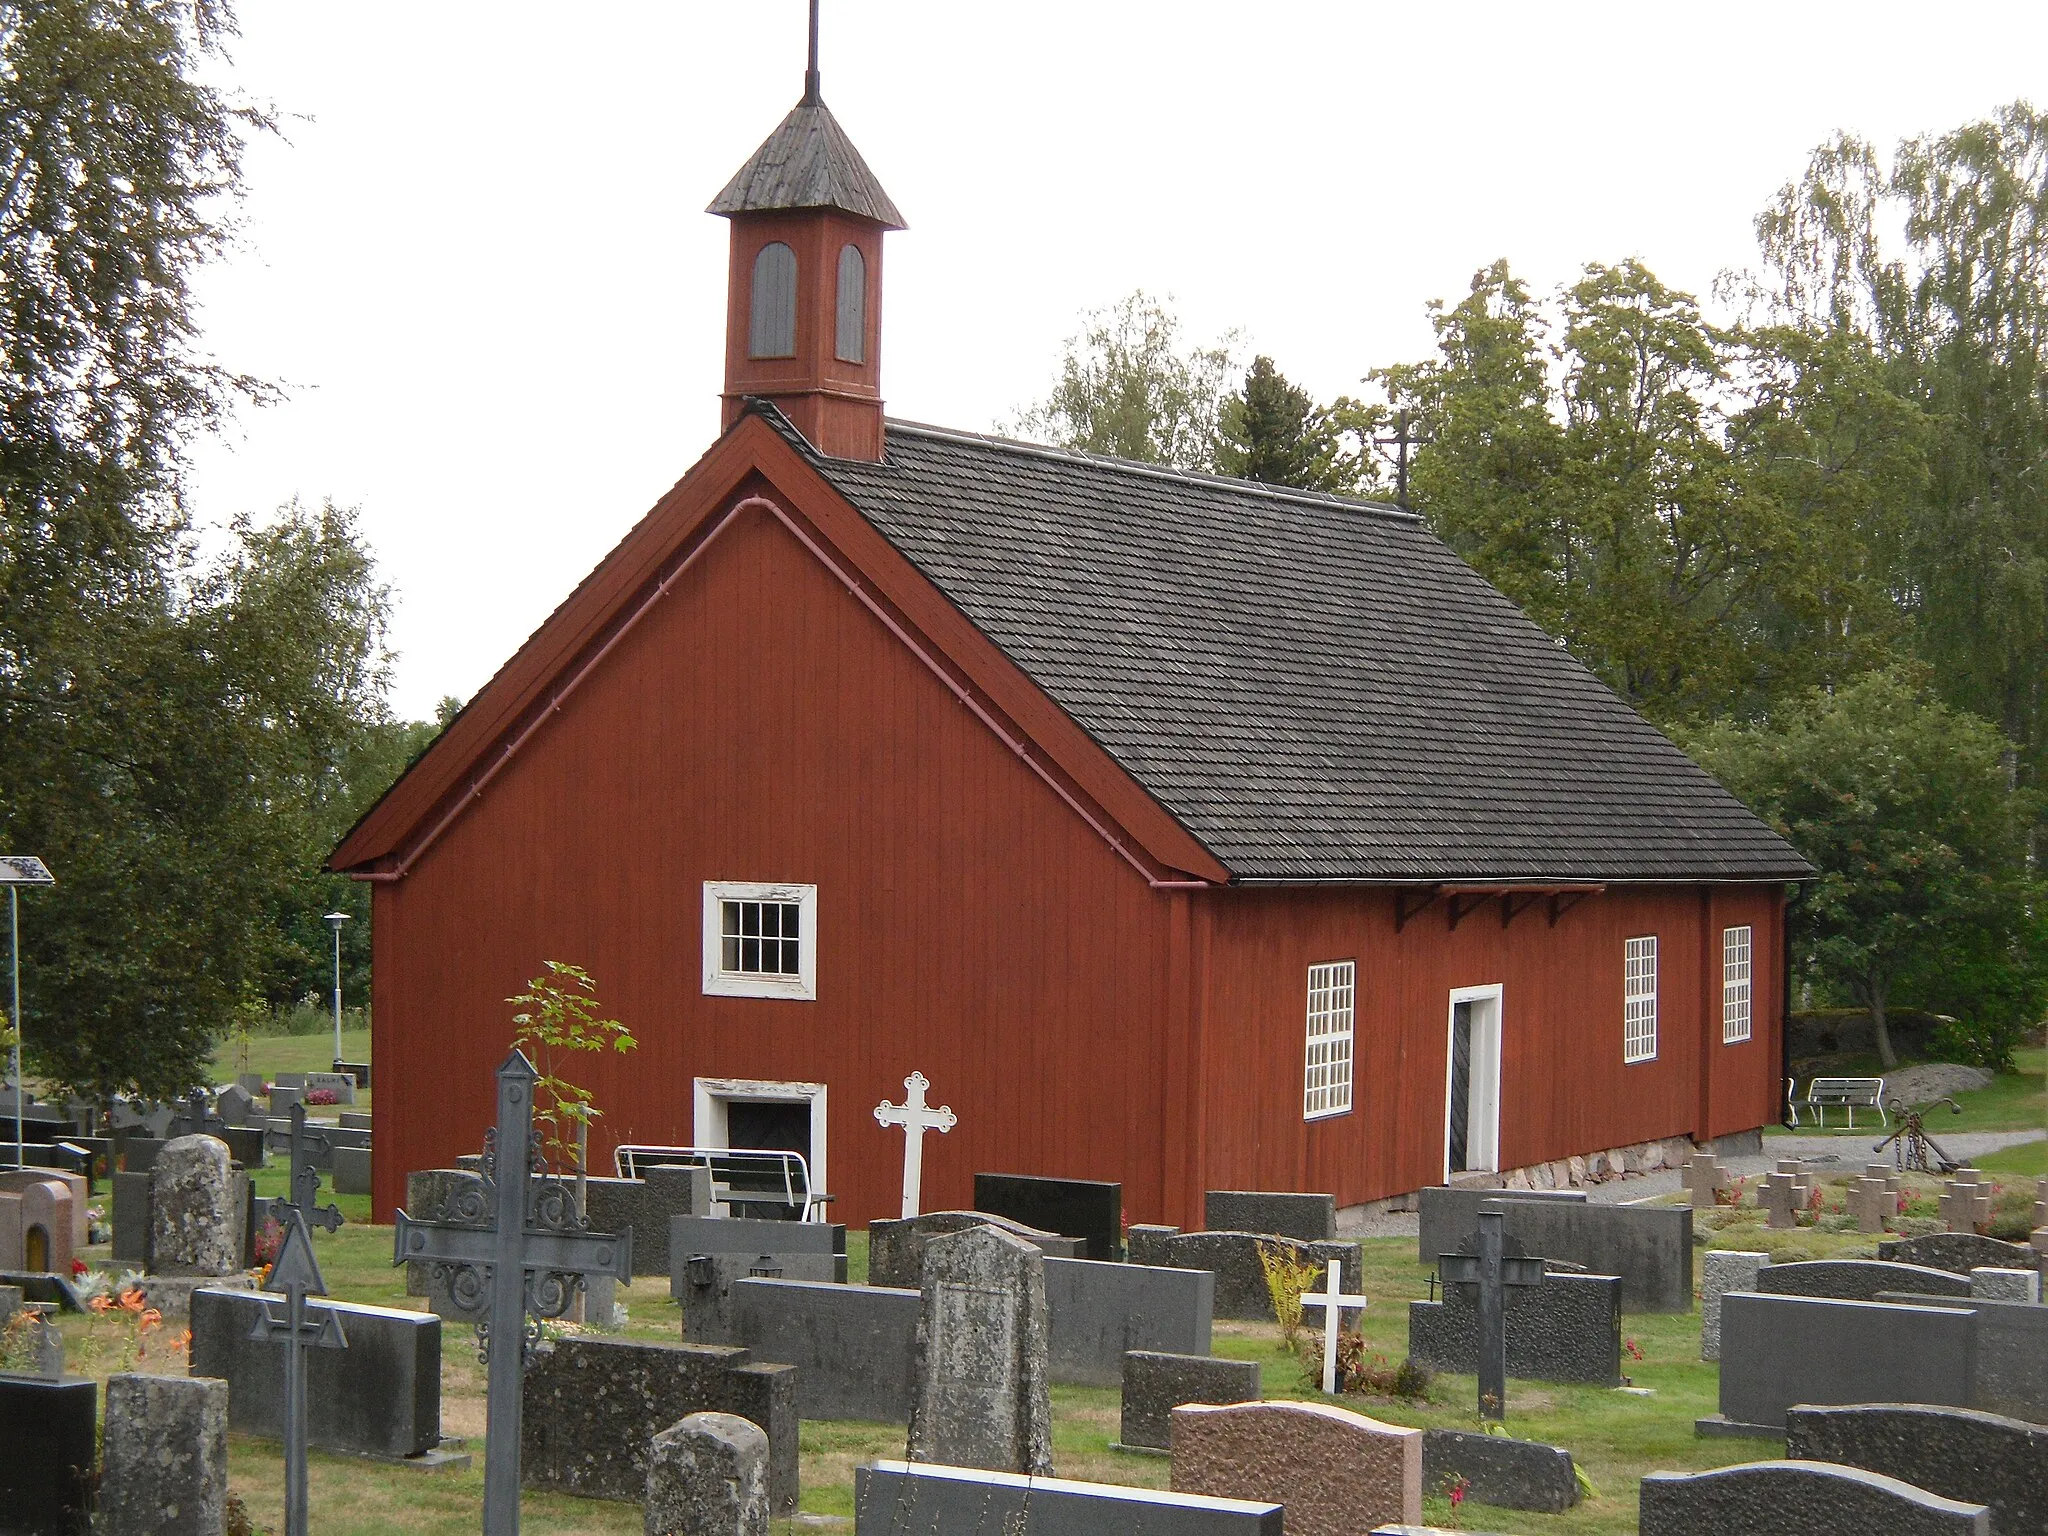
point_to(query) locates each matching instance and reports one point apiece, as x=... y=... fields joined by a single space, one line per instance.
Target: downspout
x=1792 y=894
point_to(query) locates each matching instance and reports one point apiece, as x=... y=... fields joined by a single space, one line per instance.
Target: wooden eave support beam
x=1463 y=903
x=1409 y=904
x=1563 y=899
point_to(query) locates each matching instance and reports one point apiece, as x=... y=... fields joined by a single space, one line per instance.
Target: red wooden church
x=1184 y=831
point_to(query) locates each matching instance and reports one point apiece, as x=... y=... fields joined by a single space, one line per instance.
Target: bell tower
x=804 y=290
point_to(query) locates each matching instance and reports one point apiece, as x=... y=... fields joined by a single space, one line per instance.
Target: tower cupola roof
x=808 y=162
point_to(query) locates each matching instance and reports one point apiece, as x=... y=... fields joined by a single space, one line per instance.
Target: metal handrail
x=794 y=1168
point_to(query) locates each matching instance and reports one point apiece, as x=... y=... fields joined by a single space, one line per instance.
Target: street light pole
x=334 y=920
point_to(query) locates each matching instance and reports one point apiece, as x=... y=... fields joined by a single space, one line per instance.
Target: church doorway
x=1472 y=1083
x=764 y=1115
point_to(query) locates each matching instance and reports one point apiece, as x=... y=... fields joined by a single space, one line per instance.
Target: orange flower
x=183 y=1342
x=151 y=1318
x=101 y=1304
x=133 y=1301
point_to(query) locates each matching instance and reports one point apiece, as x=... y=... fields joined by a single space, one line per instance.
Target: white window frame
x=719 y=982
x=1328 y=1063
x=1639 y=1000
x=1738 y=989
x=712 y=1095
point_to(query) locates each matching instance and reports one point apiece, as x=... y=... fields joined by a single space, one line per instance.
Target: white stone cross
x=916 y=1117
x=1333 y=1301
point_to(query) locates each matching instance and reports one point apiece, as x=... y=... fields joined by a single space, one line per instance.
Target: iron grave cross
x=296 y=1274
x=302 y=1195
x=1491 y=1268
x=514 y=1246
x=916 y=1117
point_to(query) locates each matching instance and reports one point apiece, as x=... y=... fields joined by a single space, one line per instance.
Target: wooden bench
x=1848 y=1093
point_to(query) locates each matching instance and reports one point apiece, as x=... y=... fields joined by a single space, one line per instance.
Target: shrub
x=1286 y=1279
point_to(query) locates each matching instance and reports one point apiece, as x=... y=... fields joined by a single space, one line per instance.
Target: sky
x=477 y=262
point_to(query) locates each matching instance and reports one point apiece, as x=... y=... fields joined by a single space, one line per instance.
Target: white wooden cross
x=1333 y=1301
x=916 y=1117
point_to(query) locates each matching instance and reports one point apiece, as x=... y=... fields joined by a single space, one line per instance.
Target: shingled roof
x=1315 y=686
x=808 y=162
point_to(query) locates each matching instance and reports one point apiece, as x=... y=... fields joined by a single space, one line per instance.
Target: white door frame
x=712 y=1094
x=1482 y=1119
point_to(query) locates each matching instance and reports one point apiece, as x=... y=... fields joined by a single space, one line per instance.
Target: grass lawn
x=2014 y=1101
x=2029 y=1159
x=272 y=1054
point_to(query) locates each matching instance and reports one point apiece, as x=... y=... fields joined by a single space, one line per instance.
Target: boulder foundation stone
x=1335 y=1472
x=981 y=1377
x=1799 y=1498
x=707 y=1475
x=165 y=1463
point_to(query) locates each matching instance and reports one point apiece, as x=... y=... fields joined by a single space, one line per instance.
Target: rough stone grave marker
x=1335 y=1472
x=1956 y=1252
x=1872 y=1204
x=708 y=1472
x=1491 y=1268
x=1780 y=1195
x=198 y=1213
x=1989 y=1284
x=982 y=1381
x=916 y=1117
x=515 y=1245
x=1705 y=1178
x=1966 y=1201
x=165 y=1462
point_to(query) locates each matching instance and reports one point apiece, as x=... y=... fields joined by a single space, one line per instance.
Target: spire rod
x=813 y=91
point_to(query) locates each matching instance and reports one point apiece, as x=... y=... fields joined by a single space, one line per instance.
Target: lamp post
x=17 y=870
x=334 y=920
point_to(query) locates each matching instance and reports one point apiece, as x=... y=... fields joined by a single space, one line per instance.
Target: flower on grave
x=79 y=1267
x=269 y=1242
x=1455 y=1486
x=1635 y=1350
x=322 y=1096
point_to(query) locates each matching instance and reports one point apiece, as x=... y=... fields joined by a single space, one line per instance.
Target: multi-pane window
x=760 y=940
x=1639 y=1000
x=1326 y=1083
x=1735 y=994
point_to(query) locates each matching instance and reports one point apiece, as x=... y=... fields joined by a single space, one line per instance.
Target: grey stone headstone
x=1445 y=1217
x=1723 y=1270
x=1305 y=1218
x=1566 y=1329
x=252 y=1083
x=1648 y=1246
x=852 y=1345
x=707 y=1475
x=1510 y=1474
x=2005 y=1285
x=2011 y=1369
x=352 y=1172
x=896 y=1248
x=379 y=1397
x=10 y=1303
x=982 y=1393
x=1958 y=1453
x=1089 y=1209
x=49 y=1431
x=341 y=1084
x=710 y=1254
x=592 y=1407
x=289 y=1080
x=1099 y=1311
x=131 y=1217
x=1156 y=1383
x=355 y=1120
x=138 y=1153
x=1780 y=1350
x=236 y=1105
x=1233 y=1258
x=1809 y=1498
x=1145 y=1243
x=196 y=1210
x=1956 y=1252
x=165 y=1466
x=1857 y=1279
x=282 y=1099
x=892 y=1497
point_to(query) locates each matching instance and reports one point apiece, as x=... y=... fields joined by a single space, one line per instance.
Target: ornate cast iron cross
x=303 y=1193
x=1491 y=1267
x=296 y=1275
x=514 y=1247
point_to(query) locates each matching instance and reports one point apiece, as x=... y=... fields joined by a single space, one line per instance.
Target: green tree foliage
x=557 y=1015
x=1129 y=387
x=1924 y=895
x=1273 y=431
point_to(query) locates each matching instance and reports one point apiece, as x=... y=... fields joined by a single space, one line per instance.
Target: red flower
x=79 y=1267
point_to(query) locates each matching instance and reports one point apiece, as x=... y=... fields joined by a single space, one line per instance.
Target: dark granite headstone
x=1233 y=1257
x=1155 y=1384
x=896 y=1248
x=1648 y=1246
x=1446 y=1217
x=352 y=1171
x=1857 y=1279
x=1145 y=1243
x=1777 y=1351
x=852 y=1344
x=1099 y=1311
x=1083 y=1208
x=50 y=1434
x=1566 y=1329
x=891 y=1497
x=1799 y=1498
x=1956 y=1252
x=710 y=1253
x=647 y=1206
x=1958 y=1453
x=1275 y=1213
x=131 y=1218
x=1509 y=1474
x=379 y=1397
x=592 y=1406
x=2011 y=1371
x=137 y=1154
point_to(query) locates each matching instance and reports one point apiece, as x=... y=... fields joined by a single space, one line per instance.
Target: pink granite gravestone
x=1337 y=1473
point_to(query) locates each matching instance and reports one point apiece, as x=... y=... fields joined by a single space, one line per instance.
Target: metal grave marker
x=302 y=1194
x=296 y=1275
x=1491 y=1267
x=916 y=1117
x=1333 y=1301
x=515 y=1247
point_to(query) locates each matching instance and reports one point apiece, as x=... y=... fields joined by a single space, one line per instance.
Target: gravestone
x=351 y=1167
x=237 y=1106
x=341 y=1084
x=198 y=1225
x=50 y=1432
x=1333 y=1471
x=1085 y=1208
x=1145 y=1243
x=982 y=1394
x=853 y=1345
x=1156 y=1383
x=36 y=1224
x=1567 y=1329
x=77 y=1183
x=1857 y=1279
x=1446 y=1217
x=1705 y=1178
x=1781 y=1195
x=1723 y=1270
x=1958 y=1453
x=1965 y=1201
x=1780 y=1350
x=2005 y=1285
x=1649 y=1247
x=1097 y=1311
x=166 y=1457
x=891 y=1498
x=1233 y=1257
x=1798 y=1498
x=137 y=1154
x=707 y=1473
x=713 y=1252
x=282 y=1097
x=1509 y=1474
x=1873 y=1203
x=353 y=1120
x=2010 y=1371
x=896 y=1248
x=648 y=1207
x=593 y=1405
x=1956 y=1252
x=131 y=1218
x=379 y=1397
x=1305 y=1218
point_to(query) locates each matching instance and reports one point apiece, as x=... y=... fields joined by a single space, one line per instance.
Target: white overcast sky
x=478 y=259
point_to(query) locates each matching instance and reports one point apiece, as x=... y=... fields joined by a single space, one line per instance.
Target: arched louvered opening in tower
x=771 y=328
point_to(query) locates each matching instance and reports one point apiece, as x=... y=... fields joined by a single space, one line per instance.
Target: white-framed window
x=1639 y=1001
x=1735 y=994
x=1326 y=1083
x=760 y=940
